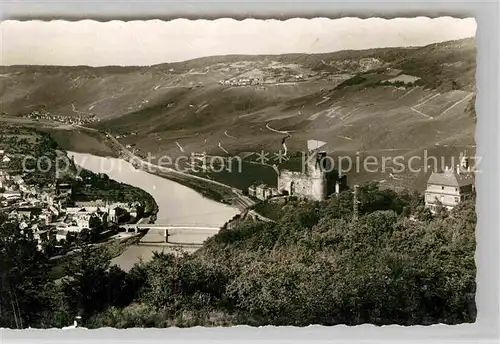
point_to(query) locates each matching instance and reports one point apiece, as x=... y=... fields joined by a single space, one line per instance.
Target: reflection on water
x=177 y=204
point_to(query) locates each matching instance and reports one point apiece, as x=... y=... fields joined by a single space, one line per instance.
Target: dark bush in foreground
x=395 y=264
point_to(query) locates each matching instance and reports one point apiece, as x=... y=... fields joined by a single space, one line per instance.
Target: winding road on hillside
x=220 y=146
x=180 y=147
x=283 y=143
x=232 y=137
x=276 y=130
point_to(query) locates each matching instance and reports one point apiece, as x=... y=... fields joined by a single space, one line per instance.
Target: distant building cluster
x=450 y=187
x=262 y=191
x=242 y=82
x=123 y=135
x=256 y=81
x=73 y=120
x=82 y=214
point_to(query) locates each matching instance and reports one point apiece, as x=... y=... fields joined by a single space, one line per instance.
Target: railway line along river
x=177 y=204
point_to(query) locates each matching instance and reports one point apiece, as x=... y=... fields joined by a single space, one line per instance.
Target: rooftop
x=451 y=178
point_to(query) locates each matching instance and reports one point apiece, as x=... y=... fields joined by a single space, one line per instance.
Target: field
x=378 y=100
x=407 y=79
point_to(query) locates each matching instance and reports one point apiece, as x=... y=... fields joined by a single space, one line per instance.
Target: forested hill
x=396 y=264
x=316 y=265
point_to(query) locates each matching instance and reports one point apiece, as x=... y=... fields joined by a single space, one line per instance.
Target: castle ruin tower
x=315 y=170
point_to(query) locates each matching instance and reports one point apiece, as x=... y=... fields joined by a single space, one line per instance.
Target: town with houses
x=69 y=120
x=49 y=212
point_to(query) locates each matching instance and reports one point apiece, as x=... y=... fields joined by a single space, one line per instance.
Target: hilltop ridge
x=404 y=99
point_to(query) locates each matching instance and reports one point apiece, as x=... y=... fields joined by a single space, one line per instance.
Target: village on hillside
x=51 y=210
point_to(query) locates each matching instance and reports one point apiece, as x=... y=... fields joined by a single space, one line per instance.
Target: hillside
x=314 y=265
x=395 y=264
x=407 y=99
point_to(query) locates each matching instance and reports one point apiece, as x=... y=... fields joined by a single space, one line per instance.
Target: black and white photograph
x=216 y=173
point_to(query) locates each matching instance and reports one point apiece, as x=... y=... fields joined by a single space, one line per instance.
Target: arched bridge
x=186 y=226
x=178 y=234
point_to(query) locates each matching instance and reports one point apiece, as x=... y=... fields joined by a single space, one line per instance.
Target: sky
x=151 y=42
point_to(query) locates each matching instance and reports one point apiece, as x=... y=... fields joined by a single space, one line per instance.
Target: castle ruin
x=311 y=183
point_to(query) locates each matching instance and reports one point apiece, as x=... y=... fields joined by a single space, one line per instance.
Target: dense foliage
x=30 y=298
x=30 y=150
x=395 y=263
x=355 y=80
x=100 y=186
x=23 y=277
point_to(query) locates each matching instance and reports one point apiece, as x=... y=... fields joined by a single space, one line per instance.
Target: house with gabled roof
x=450 y=187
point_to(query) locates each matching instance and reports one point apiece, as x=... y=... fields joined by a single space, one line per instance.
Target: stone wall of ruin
x=304 y=185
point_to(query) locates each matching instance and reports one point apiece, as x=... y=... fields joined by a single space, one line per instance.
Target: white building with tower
x=450 y=187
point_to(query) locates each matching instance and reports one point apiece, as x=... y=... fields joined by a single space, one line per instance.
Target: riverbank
x=177 y=203
x=106 y=146
x=213 y=192
x=175 y=200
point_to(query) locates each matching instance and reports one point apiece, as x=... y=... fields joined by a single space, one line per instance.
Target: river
x=177 y=204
